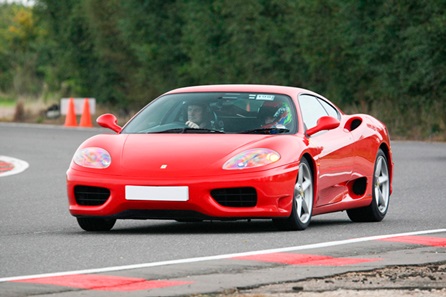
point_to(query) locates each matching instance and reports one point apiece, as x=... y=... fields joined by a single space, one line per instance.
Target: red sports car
x=223 y=152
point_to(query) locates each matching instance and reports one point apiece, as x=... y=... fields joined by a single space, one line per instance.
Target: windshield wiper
x=189 y=130
x=202 y=130
x=266 y=131
x=175 y=130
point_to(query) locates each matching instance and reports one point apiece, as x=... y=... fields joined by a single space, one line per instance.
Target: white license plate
x=157 y=193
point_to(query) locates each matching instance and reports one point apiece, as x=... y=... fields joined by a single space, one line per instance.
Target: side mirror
x=109 y=121
x=324 y=123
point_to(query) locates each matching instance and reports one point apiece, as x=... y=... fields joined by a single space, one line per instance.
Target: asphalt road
x=39 y=236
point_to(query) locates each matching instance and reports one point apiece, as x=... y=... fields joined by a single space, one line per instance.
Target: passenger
x=197 y=117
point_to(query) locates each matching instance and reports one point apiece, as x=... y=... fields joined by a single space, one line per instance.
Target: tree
x=380 y=57
x=21 y=40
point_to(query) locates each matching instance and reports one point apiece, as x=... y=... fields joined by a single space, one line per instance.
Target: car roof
x=242 y=88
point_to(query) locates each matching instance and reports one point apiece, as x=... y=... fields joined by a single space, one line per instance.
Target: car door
x=335 y=161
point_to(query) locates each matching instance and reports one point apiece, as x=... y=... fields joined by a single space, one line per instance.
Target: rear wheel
x=302 y=208
x=96 y=224
x=377 y=210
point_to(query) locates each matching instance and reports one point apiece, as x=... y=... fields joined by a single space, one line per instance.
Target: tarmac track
x=322 y=258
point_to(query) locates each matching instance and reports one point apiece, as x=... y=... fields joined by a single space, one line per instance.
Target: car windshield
x=213 y=112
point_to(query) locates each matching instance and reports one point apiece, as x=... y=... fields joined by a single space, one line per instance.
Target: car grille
x=91 y=195
x=235 y=197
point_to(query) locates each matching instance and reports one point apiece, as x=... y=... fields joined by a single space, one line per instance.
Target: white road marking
x=220 y=257
x=18 y=165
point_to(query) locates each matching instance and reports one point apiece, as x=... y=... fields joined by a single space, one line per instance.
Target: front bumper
x=273 y=187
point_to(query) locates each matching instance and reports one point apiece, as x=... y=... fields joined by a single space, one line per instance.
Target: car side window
x=333 y=112
x=311 y=109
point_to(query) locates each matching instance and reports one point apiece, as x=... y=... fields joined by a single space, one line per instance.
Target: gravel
x=396 y=281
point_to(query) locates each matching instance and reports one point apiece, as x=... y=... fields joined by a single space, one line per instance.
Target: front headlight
x=92 y=157
x=252 y=158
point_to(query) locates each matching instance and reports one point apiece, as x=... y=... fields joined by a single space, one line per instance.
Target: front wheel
x=377 y=209
x=96 y=224
x=302 y=208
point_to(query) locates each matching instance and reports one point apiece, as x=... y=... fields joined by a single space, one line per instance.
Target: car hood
x=175 y=155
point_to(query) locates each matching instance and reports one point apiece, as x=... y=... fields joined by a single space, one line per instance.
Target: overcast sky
x=24 y=2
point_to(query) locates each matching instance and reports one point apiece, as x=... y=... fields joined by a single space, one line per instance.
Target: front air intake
x=235 y=197
x=91 y=196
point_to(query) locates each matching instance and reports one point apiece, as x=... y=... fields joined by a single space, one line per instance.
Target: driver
x=274 y=116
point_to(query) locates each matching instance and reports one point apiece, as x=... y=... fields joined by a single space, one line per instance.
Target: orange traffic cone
x=70 y=119
x=86 y=117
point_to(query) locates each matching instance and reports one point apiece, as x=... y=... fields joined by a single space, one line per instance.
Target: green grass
x=7 y=101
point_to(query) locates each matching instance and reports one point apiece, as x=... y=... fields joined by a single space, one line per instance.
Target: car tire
x=96 y=224
x=377 y=209
x=303 y=195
